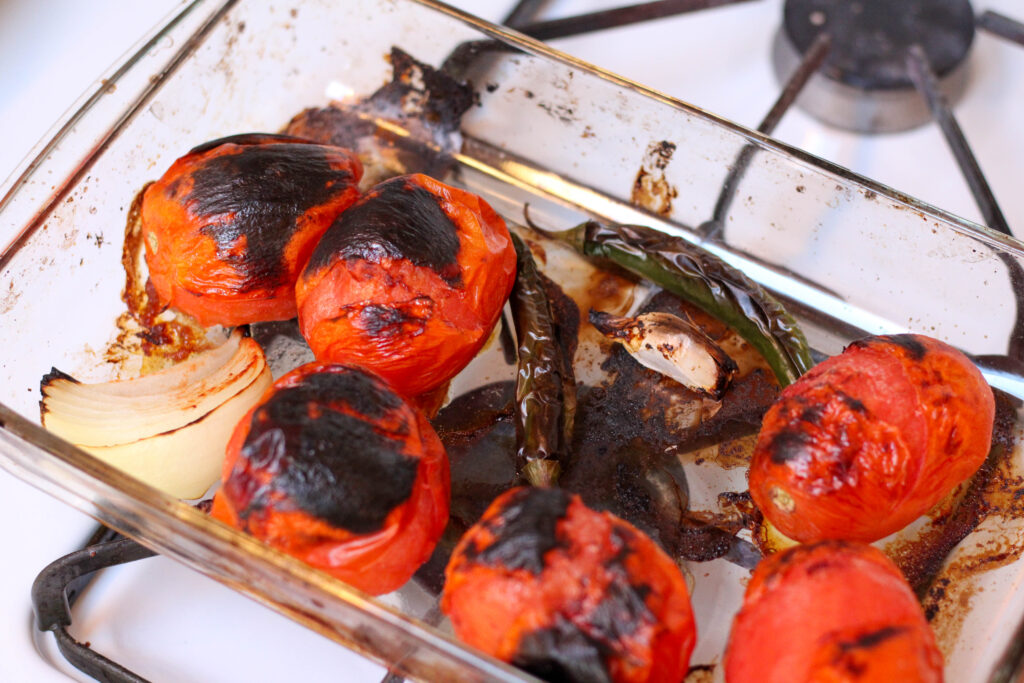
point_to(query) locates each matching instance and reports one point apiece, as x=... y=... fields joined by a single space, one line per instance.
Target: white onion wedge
x=170 y=429
x=673 y=347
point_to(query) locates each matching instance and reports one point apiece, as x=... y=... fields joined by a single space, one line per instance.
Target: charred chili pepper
x=834 y=611
x=229 y=226
x=545 y=384
x=408 y=283
x=336 y=469
x=704 y=280
x=567 y=593
x=869 y=440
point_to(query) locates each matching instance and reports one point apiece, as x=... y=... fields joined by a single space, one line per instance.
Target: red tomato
x=869 y=440
x=229 y=226
x=336 y=469
x=834 y=611
x=408 y=282
x=567 y=593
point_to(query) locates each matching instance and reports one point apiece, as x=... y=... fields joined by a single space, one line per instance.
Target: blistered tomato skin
x=230 y=225
x=408 y=282
x=869 y=440
x=830 y=612
x=336 y=469
x=568 y=593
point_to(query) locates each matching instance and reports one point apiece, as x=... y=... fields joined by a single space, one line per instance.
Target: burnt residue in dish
x=945 y=566
x=478 y=433
x=161 y=341
x=336 y=466
x=618 y=460
x=651 y=189
x=992 y=490
x=631 y=430
x=398 y=220
x=251 y=201
x=425 y=103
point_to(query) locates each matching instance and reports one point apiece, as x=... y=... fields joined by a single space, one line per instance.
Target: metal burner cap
x=864 y=84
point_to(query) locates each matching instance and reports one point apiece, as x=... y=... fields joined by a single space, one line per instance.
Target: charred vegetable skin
x=568 y=593
x=870 y=439
x=834 y=611
x=545 y=384
x=336 y=469
x=705 y=281
x=408 y=282
x=230 y=225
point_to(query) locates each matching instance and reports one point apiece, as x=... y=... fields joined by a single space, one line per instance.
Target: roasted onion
x=169 y=428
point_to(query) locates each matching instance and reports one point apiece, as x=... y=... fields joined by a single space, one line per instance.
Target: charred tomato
x=336 y=469
x=229 y=226
x=869 y=440
x=408 y=282
x=568 y=593
x=833 y=611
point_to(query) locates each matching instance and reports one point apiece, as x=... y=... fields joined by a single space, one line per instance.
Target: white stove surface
x=170 y=624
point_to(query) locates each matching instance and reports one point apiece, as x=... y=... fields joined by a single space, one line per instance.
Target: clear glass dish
x=849 y=255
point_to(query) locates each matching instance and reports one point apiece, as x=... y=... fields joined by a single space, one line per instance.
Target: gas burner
x=865 y=83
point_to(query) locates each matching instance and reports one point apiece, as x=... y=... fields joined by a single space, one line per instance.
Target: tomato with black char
x=230 y=225
x=568 y=593
x=408 y=282
x=869 y=440
x=335 y=468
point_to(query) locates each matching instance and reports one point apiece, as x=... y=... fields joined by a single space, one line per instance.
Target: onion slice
x=171 y=428
x=673 y=347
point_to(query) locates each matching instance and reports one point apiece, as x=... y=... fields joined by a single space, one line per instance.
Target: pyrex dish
x=848 y=255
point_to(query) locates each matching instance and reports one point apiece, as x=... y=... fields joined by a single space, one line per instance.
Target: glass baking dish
x=848 y=255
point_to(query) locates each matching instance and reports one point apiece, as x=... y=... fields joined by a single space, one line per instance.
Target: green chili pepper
x=704 y=280
x=545 y=385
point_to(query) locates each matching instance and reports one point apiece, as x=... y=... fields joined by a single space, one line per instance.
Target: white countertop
x=51 y=52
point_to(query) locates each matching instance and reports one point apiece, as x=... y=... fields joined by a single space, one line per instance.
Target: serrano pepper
x=704 y=280
x=545 y=385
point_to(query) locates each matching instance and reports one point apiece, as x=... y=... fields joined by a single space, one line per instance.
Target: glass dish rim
x=78 y=464
x=63 y=128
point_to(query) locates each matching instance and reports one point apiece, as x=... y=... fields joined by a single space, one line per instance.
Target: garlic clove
x=672 y=346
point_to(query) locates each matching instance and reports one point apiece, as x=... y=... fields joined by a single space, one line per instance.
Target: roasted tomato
x=408 y=282
x=568 y=593
x=336 y=469
x=834 y=611
x=869 y=440
x=230 y=224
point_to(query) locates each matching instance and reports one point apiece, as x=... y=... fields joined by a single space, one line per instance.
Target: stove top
x=719 y=59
